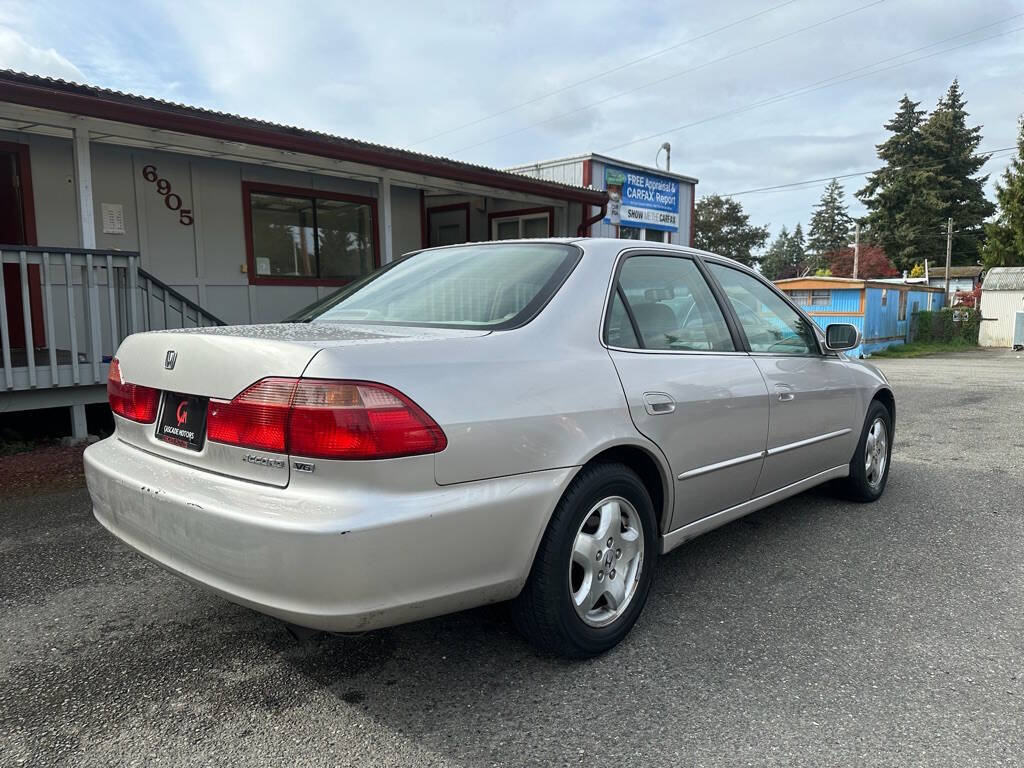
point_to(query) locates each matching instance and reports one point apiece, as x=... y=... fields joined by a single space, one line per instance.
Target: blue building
x=881 y=309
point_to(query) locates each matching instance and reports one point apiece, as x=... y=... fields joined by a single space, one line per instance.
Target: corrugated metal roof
x=1004 y=279
x=654 y=171
x=57 y=86
x=934 y=272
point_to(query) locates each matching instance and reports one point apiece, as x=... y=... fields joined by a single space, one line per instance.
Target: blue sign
x=646 y=200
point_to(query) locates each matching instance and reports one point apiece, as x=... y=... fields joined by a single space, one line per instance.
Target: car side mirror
x=840 y=337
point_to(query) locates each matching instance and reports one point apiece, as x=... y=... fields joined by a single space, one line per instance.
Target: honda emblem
x=170 y=359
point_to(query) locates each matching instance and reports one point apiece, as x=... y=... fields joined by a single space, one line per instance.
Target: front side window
x=770 y=324
x=490 y=286
x=310 y=238
x=671 y=305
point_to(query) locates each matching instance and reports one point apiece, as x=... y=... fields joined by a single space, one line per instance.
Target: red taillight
x=325 y=419
x=132 y=401
x=358 y=420
x=257 y=418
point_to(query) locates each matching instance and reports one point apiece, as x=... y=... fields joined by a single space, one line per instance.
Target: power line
x=988 y=154
x=601 y=74
x=822 y=84
x=705 y=64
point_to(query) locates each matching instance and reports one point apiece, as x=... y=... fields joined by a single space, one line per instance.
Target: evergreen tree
x=796 y=253
x=1004 y=246
x=904 y=210
x=775 y=260
x=830 y=226
x=723 y=227
x=951 y=147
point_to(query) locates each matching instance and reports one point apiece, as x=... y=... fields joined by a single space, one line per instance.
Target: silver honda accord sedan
x=535 y=421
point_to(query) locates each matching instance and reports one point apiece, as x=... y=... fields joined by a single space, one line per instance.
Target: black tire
x=858 y=486
x=544 y=611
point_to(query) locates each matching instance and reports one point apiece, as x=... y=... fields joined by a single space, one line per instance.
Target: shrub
x=940 y=326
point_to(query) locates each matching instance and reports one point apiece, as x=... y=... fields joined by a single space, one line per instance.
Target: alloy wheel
x=607 y=560
x=876 y=453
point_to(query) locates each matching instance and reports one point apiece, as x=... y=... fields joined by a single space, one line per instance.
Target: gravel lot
x=812 y=633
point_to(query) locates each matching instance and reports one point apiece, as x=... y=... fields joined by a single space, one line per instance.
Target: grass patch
x=924 y=348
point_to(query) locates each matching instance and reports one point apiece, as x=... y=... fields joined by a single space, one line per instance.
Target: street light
x=668 y=156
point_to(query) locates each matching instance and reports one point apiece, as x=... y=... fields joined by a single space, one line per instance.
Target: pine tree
x=1004 y=246
x=951 y=147
x=830 y=226
x=796 y=253
x=775 y=260
x=904 y=211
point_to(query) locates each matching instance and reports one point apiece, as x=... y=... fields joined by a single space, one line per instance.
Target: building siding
x=879 y=325
x=570 y=171
x=843 y=300
x=206 y=261
x=999 y=311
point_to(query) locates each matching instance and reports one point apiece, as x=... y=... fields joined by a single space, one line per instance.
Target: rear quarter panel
x=539 y=397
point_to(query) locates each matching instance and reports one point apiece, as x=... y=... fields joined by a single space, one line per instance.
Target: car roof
x=614 y=246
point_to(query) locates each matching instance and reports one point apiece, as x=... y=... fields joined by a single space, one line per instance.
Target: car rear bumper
x=346 y=561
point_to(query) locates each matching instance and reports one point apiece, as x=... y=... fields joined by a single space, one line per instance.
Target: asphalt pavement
x=813 y=633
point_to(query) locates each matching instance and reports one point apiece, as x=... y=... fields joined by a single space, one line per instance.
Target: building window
x=642 y=233
x=820 y=297
x=307 y=236
x=885 y=297
x=514 y=225
x=902 y=311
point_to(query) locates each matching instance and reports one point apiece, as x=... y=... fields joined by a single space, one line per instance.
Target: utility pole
x=856 y=249
x=949 y=252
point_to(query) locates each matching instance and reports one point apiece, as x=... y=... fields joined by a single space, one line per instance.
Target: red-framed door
x=18 y=227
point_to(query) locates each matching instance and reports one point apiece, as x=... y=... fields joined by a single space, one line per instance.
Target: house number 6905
x=171 y=199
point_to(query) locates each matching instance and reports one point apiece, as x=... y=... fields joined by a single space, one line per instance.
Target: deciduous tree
x=723 y=227
x=872 y=263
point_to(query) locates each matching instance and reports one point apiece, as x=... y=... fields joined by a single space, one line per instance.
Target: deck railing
x=63 y=313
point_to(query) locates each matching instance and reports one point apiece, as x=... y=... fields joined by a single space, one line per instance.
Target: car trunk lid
x=191 y=366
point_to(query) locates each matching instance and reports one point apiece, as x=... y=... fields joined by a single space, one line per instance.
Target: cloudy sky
x=788 y=91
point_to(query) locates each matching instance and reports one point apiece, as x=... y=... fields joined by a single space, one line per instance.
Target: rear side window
x=620 y=330
x=486 y=286
x=670 y=306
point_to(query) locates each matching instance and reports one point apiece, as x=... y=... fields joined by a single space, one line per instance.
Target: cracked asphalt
x=815 y=632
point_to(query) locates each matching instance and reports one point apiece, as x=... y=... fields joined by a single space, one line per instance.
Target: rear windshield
x=492 y=286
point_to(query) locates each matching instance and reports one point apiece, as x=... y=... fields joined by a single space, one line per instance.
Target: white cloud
x=398 y=71
x=18 y=54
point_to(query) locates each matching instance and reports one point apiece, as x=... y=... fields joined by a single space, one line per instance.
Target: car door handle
x=658 y=403
x=785 y=392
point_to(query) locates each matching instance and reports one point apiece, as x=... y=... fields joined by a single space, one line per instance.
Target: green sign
x=613 y=177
